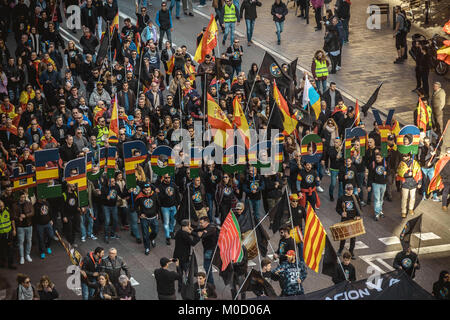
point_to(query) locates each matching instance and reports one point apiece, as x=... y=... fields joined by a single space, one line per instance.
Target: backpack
x=407 y=23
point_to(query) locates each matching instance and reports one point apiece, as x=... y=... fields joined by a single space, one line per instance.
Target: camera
x=173 y=260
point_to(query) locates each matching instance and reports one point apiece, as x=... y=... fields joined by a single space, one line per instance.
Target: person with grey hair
x=124 y=290
x=113 y=265
x=438 y=101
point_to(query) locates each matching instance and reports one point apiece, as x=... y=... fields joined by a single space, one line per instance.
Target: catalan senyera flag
x=313 y=239
x=289 y=122
x=208 y=42
x=230 y=241
x=113 y=135
x=311 y=96
x=357 y=114
x=241 y=122
x=422 y=115
x=170 y=65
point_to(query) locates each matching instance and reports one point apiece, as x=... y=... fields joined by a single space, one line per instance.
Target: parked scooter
x=438 y=48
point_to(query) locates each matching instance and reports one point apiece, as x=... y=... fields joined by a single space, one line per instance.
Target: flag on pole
x=330 y=262
x=289 y=122
x=113 y=135
x=311 y=96
x=371 y=101
x=114 y=23
x=422 y=116
x=436 y=181
x=270 y=69
x=357 y=114
x=188 y=288
x=413 y=225
x=314 y=239
x=170 y=65
x=137 y=40
x=219 y=121
x=230 y=241
x=208 y=42
x=241 y=122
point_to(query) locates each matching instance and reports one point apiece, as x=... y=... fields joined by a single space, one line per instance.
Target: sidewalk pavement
x=367 y=59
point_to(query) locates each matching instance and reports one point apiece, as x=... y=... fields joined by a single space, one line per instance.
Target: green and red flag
x=230 y=241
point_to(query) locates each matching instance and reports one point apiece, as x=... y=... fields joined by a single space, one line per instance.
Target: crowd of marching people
x=54 y=95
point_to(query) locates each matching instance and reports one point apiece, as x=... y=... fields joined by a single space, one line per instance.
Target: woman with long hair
x=71 y=58
x=251 y=75
x=104 y=289
x=46 y=289
x=330 y=132
x=319 y=69
x=225 y=197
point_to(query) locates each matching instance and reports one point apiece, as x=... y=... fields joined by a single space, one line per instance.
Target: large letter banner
x=234 y=159
x=308 y=155
x=404 y=142
x=385 y=128
x=79 y=178
x=352 y=133
x=23 y=180
x=195 y=162
x=47 y=170
x=111 y=162
x=134 y=153
x=162 y=161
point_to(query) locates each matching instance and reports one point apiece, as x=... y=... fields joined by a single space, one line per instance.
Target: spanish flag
x=436 y=181
x=219 y=121
x=208 y=42
x=113 y=135
x=357 y=114
x=241 y=122
x=114 y=23
x=170 y=65
x=313 y=239
x=289 y=122
x=422 y=115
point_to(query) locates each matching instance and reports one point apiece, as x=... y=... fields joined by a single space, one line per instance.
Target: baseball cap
x=164 y=261
x=293 y=196
x=290 y=253
x=130 y=118
x=239 y=206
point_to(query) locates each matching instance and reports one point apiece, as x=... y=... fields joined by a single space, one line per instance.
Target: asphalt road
x=434 y=252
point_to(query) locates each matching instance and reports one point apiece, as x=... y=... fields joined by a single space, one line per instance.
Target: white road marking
x=251 y=264
x=390 y=240
x=384 y=263
x=69 y=37
x=358 y=245
x=379 y=257
x=427 y=236
x=124 y=16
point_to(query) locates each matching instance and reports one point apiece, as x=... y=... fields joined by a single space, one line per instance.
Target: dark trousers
x=422 y=80
x=70 y=228
x=390 y=180
x=236 y=284
x=161 y=36
x=334 y=62
x=318 y=16
x=445 y=193
x=352 y=245
x=163 y=297
x=6 y=248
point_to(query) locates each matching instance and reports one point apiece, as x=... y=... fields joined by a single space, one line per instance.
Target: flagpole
x=253 y=86
x=237 y=294
x=212 y=258
x=256 y=237
x=204 y=107
x=293 y=230
x=270 y=116
x=420 y=240
x=342 y=268
x=439 y=142
x=139 y=76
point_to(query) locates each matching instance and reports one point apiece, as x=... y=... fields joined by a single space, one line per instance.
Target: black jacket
x=89 y=45
x=280 y=9
x=250 y=9
x=90 y=265
x=183 y=243
x=114 y=267
x=128 y=291
x=331 y=41
x=327 y=98
x=339 y=275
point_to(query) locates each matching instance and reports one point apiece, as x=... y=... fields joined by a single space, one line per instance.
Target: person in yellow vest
x=7 y=233
x=101 y=131
x=409 y=173
x=230 y=17
x=319 y=69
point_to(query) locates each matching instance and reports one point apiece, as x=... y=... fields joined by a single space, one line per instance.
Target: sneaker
x=191 y=14
x=93 y=237
x=320 y=189
x=354 y=257
x=22 y=260
x=42 y=255
x=168 y=241
x=424 y=198
x=331 y=198
x=28 y=258
x=389 y=199
x=382 y=215
x=147 y=252
x=178 y=18
x=363 y=204
x=338 y=68
x=153 y=242
x=377 y=217
x=83 y=239
x=436 y=199
x=444 y=208
x=223 y=42
x=403 y=214
x=278 y=42
x=55 y=238
x=398 y=61
x=201 y=6
x=327 y=172
x=49 y=251
x=172 y=235
x=411 y=212
x=115 y=236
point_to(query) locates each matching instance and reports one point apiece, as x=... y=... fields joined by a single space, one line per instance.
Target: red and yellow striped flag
x=115 y=23
x=313 y=239
x=422 y=116
x=289 y=122
x=357 y=114
x=113 y=134
x=170 y=65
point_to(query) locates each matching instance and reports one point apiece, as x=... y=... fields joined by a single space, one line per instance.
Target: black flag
x=273 y=71
x=371 y=100
x=413 y=225
x=277 y=212
x=103 y=49
x=255 y=282
x=188 y=288
x=262 y=239
x=217 y=262
x=330 y=262
x=292 y=72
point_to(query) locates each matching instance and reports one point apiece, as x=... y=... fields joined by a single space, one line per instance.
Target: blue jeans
x=229 y=28
x=90 y=224
x=177 y=5
x=236 y=4
x=210 y=198
x=24 y=236
x=279 y=26
x=320 y=171
x=323 y=84
x=429 y=174
x=110 y=211
x=345 y=26
x=378 y=194
x=86 y=292
x=169 y=219
x=250 y=24
x=44 y=230
x=219 y=16
x=333 y=181
x=132 y=220
x=207 y=260
x=236 y=69
x=161 y=36
x=255 y=204
x=146 y=235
